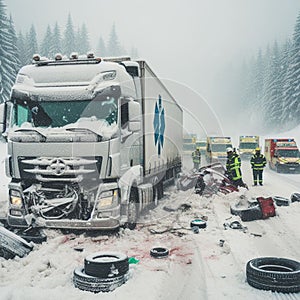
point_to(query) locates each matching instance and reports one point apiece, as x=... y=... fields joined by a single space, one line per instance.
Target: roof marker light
x=36 y=57
x=58 y=56
x=74 y=55
x=90 y=55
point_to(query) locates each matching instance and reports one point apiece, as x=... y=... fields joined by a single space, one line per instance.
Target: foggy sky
x=183 y=41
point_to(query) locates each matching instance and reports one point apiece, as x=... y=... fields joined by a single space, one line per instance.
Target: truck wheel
x=106 y=264
x=159 y=252
x=247 y=214
x=281 y=201
x=132 y=209
x=278 y=169
x=93 y=284
x=275 y=274
x=295 y=197
x=12 y=245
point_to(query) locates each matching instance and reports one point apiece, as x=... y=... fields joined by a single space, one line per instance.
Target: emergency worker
x=258 y=162
x=196 y=156
x=233 y=167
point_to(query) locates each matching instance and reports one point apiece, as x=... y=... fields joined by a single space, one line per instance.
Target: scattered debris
x=221 y=243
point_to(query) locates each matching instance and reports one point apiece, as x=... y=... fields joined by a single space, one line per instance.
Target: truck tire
x=198 y=223
x=275 y=274
x=132 y=209
x=247 y=214
x=295 y=197
x=106 y=264
x=281 y=201
x=93 y=284
x=12 y=245
x=158 y=192
x=159 y=252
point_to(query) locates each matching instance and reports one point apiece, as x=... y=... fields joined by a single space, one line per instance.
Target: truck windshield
x=219 y=147
x=248 y=145
x=61 y=113
x=289 y=153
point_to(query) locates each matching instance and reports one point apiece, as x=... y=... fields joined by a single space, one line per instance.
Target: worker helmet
x=229 y=149
x=197 y=148
x=257 y=149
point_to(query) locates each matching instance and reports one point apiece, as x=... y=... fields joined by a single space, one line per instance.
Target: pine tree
x=14 y=46
x=69 y=45
x=82 y=39
x=114 y=47
x=7 y=62
x=21 y=48
x=101 y=48
x=47 y=44
x=56 y=40
x=272 y=98
x=291 y=111
x=31 y=44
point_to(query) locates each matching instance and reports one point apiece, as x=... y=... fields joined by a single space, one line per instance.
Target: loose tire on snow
x=12 y=245
x=295 y=197
x=106 y=264
x=159 y=252
x=247 y=214
x=198 y=223
x=275 y=274
x=281 y=201
x=93 y=284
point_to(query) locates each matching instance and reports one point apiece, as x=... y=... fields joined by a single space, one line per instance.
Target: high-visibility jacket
x=233 y=166
x=258 y=161
x=196 y=155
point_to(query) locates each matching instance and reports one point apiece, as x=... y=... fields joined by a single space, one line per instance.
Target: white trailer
x=91 y=142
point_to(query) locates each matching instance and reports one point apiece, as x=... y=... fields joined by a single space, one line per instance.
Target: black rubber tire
x=35 y=235
x=275 y=274
x=247 y=214
x=106 y=264
x=198 y=223
x=159 y=252
x=93 y=284
x=295 y=197
x=12 y=245
x=281 y=201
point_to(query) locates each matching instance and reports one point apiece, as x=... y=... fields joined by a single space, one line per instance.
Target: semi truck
x=282 y=155
x=247 y=145
x=216 y=148
x=91 y=142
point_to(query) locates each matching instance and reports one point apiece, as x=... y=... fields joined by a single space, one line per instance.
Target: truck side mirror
x=134 y=116
x=2 y=117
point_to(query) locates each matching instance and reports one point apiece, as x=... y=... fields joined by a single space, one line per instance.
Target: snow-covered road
x=197 y=267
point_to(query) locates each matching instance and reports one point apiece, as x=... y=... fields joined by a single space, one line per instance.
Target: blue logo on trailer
x=159 y=125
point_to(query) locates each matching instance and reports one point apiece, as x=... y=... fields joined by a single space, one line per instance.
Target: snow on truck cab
x=91 y=142
x=282 y=155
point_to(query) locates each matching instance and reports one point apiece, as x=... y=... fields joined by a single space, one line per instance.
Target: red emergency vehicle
x=282 y=155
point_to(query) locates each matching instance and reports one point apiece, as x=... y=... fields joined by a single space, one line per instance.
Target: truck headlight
x=107 y=199
x=15 y=198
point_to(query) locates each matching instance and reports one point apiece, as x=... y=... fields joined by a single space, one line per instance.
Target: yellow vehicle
x=247 y=145
x=216 y=148
x=201 y=145
x=189 y=144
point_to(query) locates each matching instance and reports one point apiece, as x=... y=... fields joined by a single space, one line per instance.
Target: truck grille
x=46 y=169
